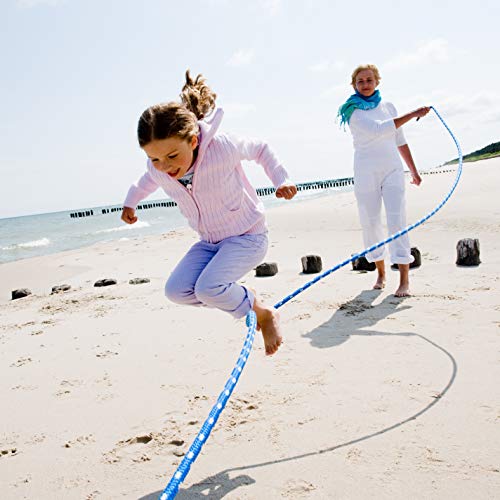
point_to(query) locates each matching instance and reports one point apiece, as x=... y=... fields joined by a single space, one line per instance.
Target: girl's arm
x=137 y=192
x=261 y=153
x=405 y=153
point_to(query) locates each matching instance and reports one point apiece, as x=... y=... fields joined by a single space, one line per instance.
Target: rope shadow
x=325 y=336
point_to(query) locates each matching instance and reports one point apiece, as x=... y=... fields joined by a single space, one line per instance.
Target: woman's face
x=172 y=156
x=366 y=82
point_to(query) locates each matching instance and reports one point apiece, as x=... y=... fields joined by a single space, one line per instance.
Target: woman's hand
x=418 y=113
x=128 y=215
x=287 y=191
x=415 y=178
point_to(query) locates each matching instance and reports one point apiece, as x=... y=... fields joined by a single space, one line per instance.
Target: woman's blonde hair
x=165 y=120
x=363 y=67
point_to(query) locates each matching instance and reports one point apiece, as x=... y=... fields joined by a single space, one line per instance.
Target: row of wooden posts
x=303 y=186
x=467 y=255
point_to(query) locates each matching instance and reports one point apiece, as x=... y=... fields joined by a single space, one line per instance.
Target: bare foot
x=404 y=282
x=268 y=322
x=380 y=283
x=403 y=291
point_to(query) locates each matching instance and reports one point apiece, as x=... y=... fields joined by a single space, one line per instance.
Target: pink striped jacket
x=221 y=202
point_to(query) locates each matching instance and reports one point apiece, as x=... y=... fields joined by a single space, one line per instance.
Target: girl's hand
x=128 y=215
x=415 y=179
x=287 y=191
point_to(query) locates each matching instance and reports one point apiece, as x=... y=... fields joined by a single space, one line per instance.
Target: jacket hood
x=208 y=128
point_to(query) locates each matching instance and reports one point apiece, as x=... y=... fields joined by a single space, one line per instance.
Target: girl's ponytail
x=197 y=96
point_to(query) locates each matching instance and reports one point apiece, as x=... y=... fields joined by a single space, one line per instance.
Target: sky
x=77 y=74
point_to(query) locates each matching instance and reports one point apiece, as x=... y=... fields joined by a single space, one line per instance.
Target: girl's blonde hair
x=165 y=120
x=362 y=67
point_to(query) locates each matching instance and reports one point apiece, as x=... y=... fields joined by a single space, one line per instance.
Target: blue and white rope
x=173 y=486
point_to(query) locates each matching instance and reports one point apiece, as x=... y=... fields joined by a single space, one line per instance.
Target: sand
x=104 y=389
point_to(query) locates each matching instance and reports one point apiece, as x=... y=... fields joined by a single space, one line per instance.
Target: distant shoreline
x=474 y=158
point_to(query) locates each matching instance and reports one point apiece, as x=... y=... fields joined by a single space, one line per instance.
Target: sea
x=43 y=234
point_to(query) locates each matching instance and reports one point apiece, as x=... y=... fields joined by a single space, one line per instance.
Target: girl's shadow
x=353 y=317
x=213 y=487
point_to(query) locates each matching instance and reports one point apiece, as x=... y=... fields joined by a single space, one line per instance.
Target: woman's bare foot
x=268 y=322
x=403 y=290
x=404 y=281
x=380 y=283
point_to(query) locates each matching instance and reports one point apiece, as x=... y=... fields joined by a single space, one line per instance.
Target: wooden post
x=468 y=252
x=311 y=264
x=266 y=269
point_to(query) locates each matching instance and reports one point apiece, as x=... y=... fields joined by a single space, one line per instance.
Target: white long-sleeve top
x=375 y=138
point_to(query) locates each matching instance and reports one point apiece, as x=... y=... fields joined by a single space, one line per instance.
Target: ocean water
x=43 y=234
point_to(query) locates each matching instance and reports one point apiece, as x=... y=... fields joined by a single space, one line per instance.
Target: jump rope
x=184 y=467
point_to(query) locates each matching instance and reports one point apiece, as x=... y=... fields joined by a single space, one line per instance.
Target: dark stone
x=416 y=263
x=311 y=264
x=418 y=258
x=138 y=281
x=468 y=252
x=105 y=282
x=61 y=288
x=362 y=264
x=266 y=269
x=20 y=293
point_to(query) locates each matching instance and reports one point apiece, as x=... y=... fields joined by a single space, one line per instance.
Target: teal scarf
x=357 y=101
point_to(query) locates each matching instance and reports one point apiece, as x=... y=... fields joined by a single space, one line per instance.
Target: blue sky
x=76 y=75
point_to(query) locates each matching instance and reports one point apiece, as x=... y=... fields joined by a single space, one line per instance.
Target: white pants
x=371 y=187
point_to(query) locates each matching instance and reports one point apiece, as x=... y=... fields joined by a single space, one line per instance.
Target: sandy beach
x=370 y=396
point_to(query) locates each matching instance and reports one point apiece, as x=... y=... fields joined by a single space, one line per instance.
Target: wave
x=43 y=242
x=127 y=227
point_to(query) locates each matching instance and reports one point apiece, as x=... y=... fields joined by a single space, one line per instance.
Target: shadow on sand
x=350 y=319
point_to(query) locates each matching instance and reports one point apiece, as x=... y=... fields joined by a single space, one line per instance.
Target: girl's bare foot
x=268 y=322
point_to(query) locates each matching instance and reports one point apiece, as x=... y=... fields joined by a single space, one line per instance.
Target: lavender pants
x=206 y=275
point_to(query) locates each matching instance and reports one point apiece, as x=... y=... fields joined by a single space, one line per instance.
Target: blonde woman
x=379 y=145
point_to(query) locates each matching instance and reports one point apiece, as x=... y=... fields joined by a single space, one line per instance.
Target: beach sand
x=103 y=389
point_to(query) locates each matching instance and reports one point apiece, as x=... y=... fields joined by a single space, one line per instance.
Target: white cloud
x=337 y=92
x=238 y=108
x=34 y=3
x=325 y=65
x=272 y=7
x=242 y=57
x=432 y=51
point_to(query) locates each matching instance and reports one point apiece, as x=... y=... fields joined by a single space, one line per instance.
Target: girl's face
x=172 y=156
x=366 y=82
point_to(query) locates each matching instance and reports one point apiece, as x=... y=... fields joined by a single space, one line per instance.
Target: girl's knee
x=178 y=294
x=208 y=293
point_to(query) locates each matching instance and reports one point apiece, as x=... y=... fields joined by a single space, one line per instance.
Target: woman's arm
x=405 y=153
x=418 y=113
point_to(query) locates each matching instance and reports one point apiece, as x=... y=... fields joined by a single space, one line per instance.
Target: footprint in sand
x=80 y=440
x=296 y=489
x=106 y=354
x=21 y=362
x=8 y=452
x=66 y=386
